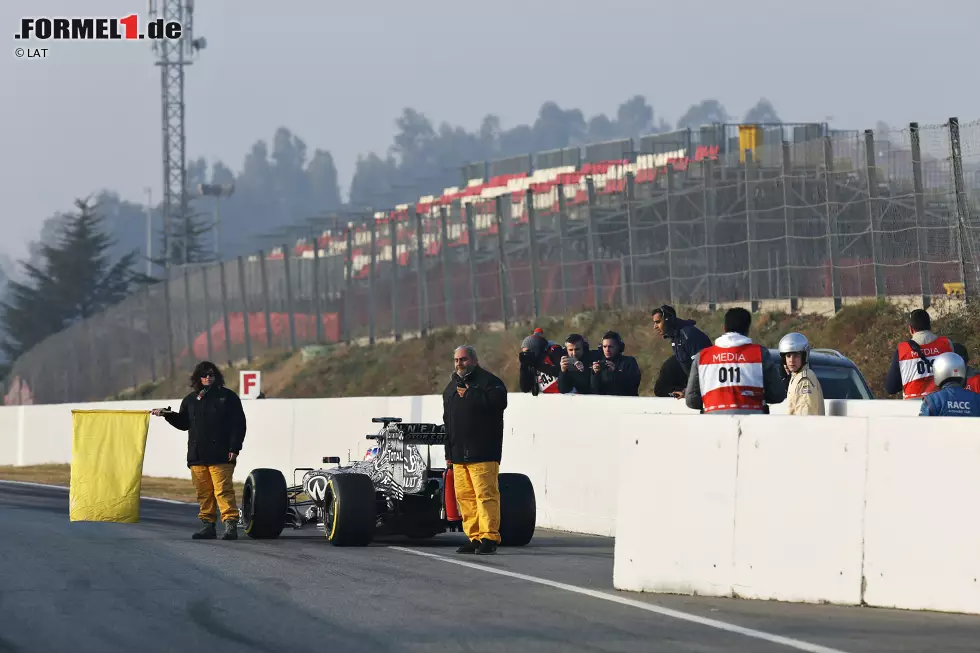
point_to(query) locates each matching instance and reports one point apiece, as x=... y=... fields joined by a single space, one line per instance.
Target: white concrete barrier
x=855 y=510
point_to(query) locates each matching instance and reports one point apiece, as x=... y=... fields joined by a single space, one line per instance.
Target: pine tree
x=194 y=230
x=73 y=280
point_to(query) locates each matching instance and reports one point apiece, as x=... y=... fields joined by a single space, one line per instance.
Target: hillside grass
x=867 y=333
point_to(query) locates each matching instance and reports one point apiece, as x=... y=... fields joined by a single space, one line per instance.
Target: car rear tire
x=351 y=516
x=518 y=509
x=264 y=504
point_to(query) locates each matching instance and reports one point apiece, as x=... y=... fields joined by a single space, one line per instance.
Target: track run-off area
x=98 y=587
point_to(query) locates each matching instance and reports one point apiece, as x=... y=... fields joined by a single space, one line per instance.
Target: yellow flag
x=107 y=450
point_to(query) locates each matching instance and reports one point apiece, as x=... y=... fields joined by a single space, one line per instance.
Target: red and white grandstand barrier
x=870 y=504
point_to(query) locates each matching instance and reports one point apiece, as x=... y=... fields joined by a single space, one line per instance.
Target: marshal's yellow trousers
x=478 y=496
x=215 y=489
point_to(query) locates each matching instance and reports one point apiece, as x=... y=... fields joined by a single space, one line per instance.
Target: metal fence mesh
x=806 y=213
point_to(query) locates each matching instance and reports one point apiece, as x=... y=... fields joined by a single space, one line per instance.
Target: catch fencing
x=721 y=214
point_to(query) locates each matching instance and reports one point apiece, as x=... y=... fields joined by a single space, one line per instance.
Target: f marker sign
x=249 y=384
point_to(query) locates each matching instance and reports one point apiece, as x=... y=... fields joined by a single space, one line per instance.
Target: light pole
x=217 y=191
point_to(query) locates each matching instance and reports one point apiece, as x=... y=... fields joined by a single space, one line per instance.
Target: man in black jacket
x=686 y=340
x=576 y=376
x=473 y=412
x=215 y=421
x=614 y=373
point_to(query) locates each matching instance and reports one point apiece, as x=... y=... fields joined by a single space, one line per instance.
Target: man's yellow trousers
x=478 y=496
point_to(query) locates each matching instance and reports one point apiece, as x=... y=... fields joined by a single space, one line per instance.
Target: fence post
x=962 y=209
x=132 y=339
x=373 y=281
x=830 y=209
x=709 y=222
x=266 y=300
x=245 y=313
x=874 y=210
x=922 y=242
x=444 y=255
x=317 y=310
x=630 y=188
x=471 y=249
x=790 y=230
x=670 y=241
x=188 y=330
x=393 y=236
x=751 y=172
x=149 y=333
x=420 y=273
x=622 y=286
x=590 y=246
x=207 y=311
x=286 y=256
x=348 y=282
x=562 y=236
x=224 y=311
x=502 y=258
x=532 y=241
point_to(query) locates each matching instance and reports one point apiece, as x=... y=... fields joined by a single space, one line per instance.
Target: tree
x=762 y=112
x=73 y=279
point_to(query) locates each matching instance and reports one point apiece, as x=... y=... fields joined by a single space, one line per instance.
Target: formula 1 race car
x=396 y=491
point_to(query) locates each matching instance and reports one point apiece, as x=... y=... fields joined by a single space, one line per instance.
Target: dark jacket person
x=214 y=420
x=473 y=405
x=686 y=340
x=614 y=373
x=575 y=376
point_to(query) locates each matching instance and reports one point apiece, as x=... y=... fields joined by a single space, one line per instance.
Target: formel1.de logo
x=126 y=28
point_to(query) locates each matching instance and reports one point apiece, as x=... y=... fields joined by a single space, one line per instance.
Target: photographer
x=575 y=376
x=540 y=361
x=614 y=373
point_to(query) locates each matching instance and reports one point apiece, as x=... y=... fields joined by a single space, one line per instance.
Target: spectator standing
x=615 y=373
x=951 y=399
x=804 y=395
x=686 y=340
x=911 y=369
x=575 y=376
x=215 y=423
x=734 y=375
x=473 y=411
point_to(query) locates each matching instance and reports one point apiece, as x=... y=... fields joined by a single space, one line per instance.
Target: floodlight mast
x=173 y=56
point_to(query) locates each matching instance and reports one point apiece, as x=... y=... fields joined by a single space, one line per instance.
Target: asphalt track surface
x=80 y=587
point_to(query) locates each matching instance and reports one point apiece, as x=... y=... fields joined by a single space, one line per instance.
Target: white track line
x=605 y=596
x=62 y=487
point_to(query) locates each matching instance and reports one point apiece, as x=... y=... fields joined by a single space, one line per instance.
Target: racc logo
x=958 y=405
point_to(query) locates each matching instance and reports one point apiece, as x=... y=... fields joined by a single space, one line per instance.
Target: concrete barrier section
x=676 y=504
x=922 y=533
x=798 y=513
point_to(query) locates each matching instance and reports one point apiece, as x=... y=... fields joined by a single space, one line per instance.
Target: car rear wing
x=419 y=434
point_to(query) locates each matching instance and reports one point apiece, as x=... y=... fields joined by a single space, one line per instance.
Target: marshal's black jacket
x=475 y=421
x=215 y=424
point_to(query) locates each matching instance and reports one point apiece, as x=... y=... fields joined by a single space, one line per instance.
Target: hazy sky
x=338 y=73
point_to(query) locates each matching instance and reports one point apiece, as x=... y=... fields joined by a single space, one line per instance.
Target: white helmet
x=948 y=366
x=794 y=343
